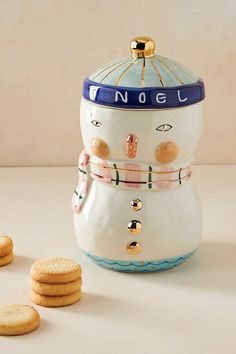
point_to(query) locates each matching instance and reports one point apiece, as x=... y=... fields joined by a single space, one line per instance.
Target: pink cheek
x=100 y=148
x=167 y=152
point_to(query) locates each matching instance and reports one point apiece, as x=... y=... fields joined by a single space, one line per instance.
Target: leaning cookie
x=56 y=289
x=6 y=259
x=18 y=319
x=6 y=245
x=55 y=301
x=55 y=270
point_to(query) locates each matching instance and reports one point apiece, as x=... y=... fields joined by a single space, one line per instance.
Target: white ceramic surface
x=116 y=124
x=171 y=220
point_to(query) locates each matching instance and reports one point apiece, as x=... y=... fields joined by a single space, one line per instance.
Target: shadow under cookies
x=92 y=303
x=19 y=264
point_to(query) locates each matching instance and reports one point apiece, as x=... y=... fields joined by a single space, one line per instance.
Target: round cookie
x=55 y=270
x=55 y=301
x=18 y=319
x=6 y=259
x=6 y=245
x=56 y=289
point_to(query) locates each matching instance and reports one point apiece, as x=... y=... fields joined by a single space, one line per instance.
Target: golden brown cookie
x=56 y=289
x=55 y=301
x=55 y=270
x=6 y=259
x=18 y=319
x=6 y=245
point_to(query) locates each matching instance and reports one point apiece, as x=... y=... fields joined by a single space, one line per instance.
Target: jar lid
x=143 y=81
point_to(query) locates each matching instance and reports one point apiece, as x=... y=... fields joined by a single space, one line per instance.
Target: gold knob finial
x=142 y=47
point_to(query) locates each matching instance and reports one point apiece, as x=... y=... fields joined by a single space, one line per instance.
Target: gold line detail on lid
x=143 y=72
x=158 y=73
x=169 y=70
x=117 y=67
x=105 y=67
x=124 y=72
x=185 y=70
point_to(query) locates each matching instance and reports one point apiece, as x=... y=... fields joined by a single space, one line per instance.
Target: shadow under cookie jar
x=135 y=207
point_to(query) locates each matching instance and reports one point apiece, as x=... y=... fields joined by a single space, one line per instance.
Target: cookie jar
x=135 y=207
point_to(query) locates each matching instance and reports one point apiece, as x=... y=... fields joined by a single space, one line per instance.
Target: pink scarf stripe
x=126 y=175
x=138 y=175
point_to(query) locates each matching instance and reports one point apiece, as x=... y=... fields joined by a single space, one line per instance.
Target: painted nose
x=167 y=151
x=100 y=148
x=131 y=146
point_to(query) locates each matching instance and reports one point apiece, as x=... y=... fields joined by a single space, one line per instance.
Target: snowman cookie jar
x=135 y=206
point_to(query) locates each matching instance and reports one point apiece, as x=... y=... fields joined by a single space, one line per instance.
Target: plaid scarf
x=128 y=175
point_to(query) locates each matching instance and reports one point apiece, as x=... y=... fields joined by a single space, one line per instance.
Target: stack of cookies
x=56 y=282
x=6 y=247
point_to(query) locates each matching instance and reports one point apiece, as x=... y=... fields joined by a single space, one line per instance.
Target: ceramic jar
x=135 y=206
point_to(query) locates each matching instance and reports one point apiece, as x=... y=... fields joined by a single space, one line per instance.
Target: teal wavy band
x=139 y=266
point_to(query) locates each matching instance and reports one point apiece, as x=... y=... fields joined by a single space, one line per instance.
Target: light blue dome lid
x=144 y=80
x=156 y=71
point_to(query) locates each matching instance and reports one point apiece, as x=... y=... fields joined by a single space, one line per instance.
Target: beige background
x=49 y=46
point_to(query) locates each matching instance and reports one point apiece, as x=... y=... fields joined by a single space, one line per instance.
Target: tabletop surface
x=189 y=309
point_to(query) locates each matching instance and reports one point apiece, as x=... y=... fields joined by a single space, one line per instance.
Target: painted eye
x=164 y=127
x=96 y=123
